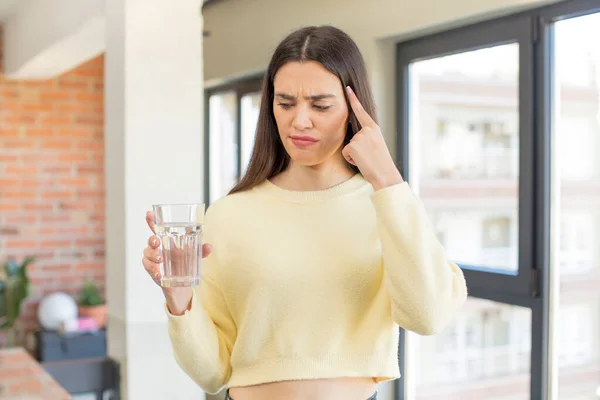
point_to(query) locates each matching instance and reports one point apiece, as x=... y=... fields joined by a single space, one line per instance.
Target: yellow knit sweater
x=304 y=285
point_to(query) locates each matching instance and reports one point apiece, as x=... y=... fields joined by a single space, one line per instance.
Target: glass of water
x=179 y=229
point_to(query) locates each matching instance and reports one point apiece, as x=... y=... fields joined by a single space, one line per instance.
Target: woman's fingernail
x=157 y=258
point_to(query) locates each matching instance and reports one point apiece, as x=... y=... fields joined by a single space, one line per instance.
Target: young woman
x=319 y=253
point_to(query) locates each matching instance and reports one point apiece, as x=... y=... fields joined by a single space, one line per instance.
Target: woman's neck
x=319 y=177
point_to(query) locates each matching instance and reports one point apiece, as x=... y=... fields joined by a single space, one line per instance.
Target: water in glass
x=180 y=234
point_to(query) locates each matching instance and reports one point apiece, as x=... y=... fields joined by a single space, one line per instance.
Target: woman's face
x=311 y=112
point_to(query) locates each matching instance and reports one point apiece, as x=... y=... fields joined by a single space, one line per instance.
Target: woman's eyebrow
x=286 y=96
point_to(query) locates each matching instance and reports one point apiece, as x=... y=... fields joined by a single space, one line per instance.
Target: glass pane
x=464 y=151
x=576 y=158
x=483 y=354
x=223 y=144
x=250 y=109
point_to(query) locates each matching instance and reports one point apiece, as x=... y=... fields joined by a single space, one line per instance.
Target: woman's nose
x=302 y=118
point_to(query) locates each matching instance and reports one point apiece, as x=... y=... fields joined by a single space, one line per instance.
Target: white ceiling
x=7 y=7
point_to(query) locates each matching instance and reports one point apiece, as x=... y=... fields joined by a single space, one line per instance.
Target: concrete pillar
x=153 y=153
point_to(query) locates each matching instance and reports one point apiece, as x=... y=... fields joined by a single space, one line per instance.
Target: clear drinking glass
x=179 y=228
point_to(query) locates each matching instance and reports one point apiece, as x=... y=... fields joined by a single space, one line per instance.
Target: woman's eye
x=285 y=106
x=322 y=108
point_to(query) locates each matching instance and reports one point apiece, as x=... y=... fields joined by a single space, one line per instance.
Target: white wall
x=243 y=33
x=46 y=38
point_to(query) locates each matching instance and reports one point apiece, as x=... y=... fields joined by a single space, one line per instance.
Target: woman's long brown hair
x=339 y=54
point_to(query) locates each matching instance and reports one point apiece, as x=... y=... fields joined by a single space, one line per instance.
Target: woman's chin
x=304 y=161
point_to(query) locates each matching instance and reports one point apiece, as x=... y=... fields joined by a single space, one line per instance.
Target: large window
x=231 y=117
x=465 y=137
x=499 y=135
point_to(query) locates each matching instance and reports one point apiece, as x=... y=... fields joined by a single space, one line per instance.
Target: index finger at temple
x=361 y=114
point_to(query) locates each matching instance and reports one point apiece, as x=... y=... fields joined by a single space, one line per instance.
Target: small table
x=22 y=377
x=87 y=375
x=79 y=362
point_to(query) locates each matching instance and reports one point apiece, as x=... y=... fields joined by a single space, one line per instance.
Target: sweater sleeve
x=202 y=338
x=425 y=287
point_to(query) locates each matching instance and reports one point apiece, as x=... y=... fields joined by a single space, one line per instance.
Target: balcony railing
x=486 y=163
x=475 y=364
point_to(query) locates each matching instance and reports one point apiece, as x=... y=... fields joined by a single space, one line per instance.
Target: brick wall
x=52 y=178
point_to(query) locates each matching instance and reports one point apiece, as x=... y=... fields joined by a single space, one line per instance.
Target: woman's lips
x=303 y=141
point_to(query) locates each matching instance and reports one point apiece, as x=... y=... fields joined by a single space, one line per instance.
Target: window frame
x=534 y=288
x=494 y=33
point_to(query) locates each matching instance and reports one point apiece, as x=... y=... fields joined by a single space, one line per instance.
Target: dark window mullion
x=527 y=157
x=402 y=162
x=541 y=312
